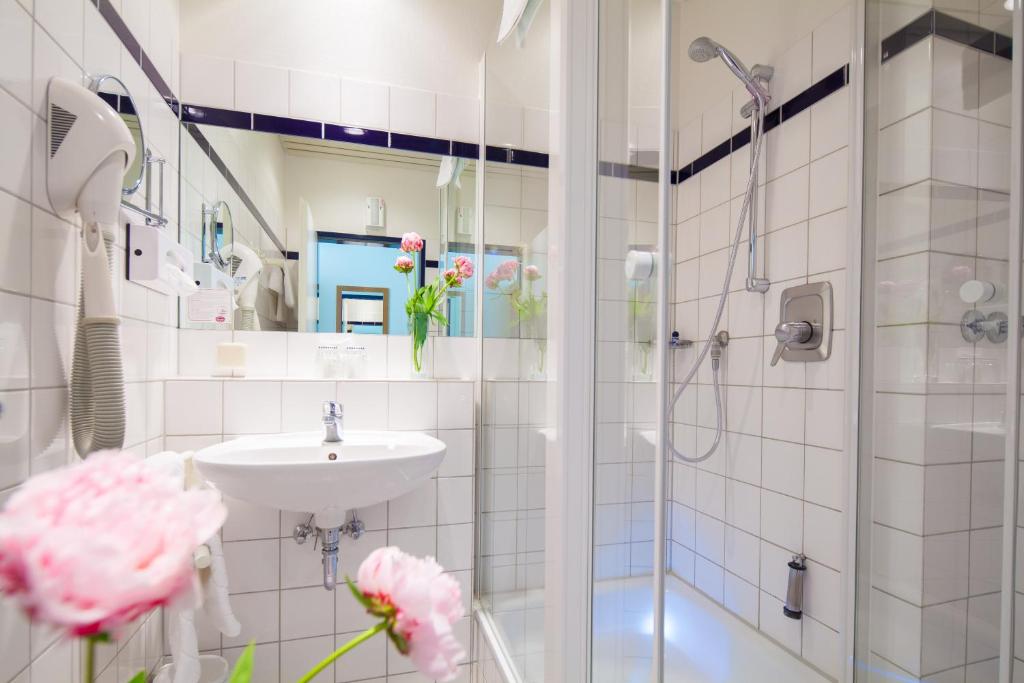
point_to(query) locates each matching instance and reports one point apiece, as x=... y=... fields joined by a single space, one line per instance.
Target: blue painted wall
x=361 y=266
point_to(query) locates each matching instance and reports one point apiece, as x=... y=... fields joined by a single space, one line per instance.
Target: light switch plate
x=810 y=303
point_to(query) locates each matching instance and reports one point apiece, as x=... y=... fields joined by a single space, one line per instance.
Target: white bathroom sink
x=302 y=473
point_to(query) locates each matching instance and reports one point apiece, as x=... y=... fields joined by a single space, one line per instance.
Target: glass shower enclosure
x=856 y=516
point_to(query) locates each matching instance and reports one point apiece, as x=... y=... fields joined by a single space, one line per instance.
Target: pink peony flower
x=453 y=278
x=91 y=547
x=465 y=266
x=507 y=269
x=424 y=604
x=404 y=264
x=531 y=272
x=411 y=242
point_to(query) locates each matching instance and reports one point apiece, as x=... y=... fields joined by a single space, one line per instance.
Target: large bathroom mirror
x=307 y=231
x=114 y=92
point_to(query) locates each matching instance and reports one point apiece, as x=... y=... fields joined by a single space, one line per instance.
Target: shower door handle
x=799 y=332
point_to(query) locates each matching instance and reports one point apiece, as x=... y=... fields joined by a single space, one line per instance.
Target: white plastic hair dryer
x=245 y=265
x=88 y=149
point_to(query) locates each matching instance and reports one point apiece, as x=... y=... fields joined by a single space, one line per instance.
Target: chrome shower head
x=703 y=49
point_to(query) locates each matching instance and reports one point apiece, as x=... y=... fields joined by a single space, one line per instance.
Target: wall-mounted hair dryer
x=88 y=149
x=246 y=265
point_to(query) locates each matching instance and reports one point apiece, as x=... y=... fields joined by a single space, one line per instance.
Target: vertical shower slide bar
x=754 y=283
x=665 y=159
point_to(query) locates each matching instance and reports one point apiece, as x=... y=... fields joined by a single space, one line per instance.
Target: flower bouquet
x=425 y=303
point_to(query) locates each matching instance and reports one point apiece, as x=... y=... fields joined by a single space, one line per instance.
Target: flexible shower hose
x=710 y=341
x=97 y=378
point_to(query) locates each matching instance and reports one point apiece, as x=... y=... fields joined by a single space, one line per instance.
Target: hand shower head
x=703 y=49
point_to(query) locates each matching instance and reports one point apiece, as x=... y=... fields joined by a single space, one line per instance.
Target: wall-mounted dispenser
x=794 y=607
x=375 y=212
x=159 y=262
x=464 y=222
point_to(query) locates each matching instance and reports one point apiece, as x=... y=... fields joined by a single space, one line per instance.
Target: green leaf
x=362 y=599
x=242 y=673
x=400 y=642
x=139 y=678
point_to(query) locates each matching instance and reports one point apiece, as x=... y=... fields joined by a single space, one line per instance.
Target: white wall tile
x=16 y=145
x=954 y=148
x=831 y=43
x=16 y=50
x=412 y=405
x=364 y=104
x=365 y=403
x=305 y=613
x=458 y=118
x=207 y=80
x=829 y=188
x=252 y=565
x=412 y=111
x=252 y=407
x=536 y=124
x=261 y=89
x=314 y=96
x=504 y=125
x=455 y=405
x=905 y=152
x=194 y=407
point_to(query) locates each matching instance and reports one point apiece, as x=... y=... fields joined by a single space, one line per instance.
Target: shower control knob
x=791 y=333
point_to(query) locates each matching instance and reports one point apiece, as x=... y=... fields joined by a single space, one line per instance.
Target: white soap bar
x=231 y=359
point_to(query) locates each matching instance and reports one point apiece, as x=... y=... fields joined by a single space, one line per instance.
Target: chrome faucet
x=334 y=422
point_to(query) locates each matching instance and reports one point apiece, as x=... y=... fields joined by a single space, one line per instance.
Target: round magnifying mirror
x=218 y=231
x=114 y=92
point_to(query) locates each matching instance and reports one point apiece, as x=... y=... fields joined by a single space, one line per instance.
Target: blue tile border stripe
x=138 y=55
x=317 y=130
x=831 y=83
x=952 y=28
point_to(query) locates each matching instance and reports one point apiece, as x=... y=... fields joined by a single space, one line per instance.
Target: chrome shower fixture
x=704 y=49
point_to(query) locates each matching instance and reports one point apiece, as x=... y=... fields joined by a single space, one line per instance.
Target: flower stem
x=364 y=636
x=90 y=660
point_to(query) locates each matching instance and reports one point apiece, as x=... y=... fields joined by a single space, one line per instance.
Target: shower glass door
x=940 y=358
x=626 y=384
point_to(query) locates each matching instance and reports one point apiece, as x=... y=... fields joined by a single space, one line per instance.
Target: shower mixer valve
x=804 y=332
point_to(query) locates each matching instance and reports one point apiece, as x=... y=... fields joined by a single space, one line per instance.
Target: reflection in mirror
x=319 y=215
x=363 y=309
x=216 y=222
x=115 y=93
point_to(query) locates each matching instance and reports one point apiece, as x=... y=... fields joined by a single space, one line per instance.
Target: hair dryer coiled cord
x=97 y=377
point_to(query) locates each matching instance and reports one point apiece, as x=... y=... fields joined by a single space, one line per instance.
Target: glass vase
x=419 y=326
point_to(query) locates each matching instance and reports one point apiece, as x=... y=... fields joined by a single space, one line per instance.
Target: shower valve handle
x=791 y=333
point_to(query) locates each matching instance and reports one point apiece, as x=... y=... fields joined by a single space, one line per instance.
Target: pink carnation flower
x=531 y=272
x=411 y=242
x=91 y=547
x=423 y=601
x=491 y=282
x=465 y=266
x=404 y=264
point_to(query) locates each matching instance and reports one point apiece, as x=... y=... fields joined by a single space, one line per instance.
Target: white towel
x=213 y=584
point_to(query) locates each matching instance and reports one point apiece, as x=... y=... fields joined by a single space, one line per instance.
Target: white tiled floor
x=704 y=642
